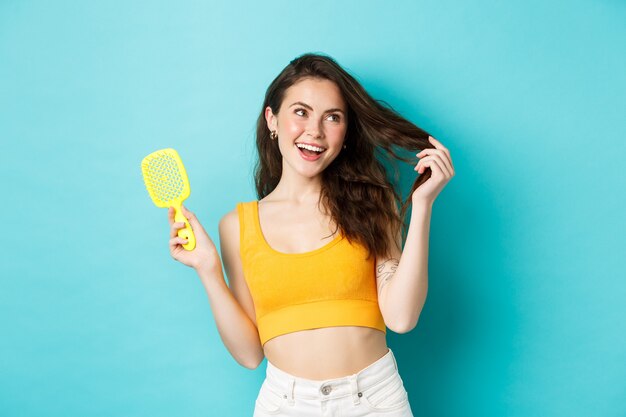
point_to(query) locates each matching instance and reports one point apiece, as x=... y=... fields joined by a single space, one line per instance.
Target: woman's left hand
x=442 y=170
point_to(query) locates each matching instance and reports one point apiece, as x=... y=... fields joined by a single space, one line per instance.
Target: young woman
x=316 y=268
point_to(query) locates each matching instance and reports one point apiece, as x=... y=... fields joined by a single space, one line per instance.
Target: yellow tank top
x=330 y=286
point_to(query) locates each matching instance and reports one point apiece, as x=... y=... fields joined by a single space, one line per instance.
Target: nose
x=313 y=128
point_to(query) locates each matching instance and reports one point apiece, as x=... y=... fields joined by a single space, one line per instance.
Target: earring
x=273 y=135
x=344 y=146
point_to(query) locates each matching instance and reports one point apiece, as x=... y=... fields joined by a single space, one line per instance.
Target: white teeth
x=309 y=147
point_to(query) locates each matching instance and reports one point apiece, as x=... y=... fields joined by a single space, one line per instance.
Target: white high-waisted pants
x=376 y=390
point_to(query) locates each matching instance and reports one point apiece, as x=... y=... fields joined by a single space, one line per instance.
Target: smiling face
x=313 y=114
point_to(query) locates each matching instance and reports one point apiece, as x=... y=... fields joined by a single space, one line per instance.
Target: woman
x=316 y=267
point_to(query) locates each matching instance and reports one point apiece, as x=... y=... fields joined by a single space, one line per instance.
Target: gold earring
x=273 y=135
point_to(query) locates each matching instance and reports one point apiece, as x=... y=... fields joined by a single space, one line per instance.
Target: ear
x=271 y=119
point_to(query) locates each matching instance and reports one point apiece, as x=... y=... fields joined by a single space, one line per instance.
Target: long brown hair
x=356 y=189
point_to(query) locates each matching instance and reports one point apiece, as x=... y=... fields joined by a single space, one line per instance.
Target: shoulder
x=229 y=224
x=230 y=218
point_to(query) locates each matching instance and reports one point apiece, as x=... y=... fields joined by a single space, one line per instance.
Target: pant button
x=326 y=389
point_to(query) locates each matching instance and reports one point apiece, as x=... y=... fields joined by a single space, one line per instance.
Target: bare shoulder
x=229 y=226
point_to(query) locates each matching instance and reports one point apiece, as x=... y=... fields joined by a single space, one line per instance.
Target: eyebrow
x=311 y=108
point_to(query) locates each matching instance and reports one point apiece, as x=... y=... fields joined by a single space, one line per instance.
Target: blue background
x=525 y=312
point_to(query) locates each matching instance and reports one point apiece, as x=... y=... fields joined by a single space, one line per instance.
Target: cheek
x=337 y=133
x=293 y=127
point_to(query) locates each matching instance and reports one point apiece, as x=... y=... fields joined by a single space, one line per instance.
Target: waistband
x=291 y=386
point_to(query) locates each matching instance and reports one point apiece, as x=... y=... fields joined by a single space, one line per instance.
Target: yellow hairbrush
x=166 y=180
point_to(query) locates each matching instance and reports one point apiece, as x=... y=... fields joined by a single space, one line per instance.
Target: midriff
x=326 y=353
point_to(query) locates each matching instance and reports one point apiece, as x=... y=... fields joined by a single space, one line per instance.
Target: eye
x=297 y=110
x=336 y=116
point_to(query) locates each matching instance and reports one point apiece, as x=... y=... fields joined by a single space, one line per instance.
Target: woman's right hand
x=204 y=255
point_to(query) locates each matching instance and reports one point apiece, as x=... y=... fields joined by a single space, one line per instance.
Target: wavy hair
x=356 y=189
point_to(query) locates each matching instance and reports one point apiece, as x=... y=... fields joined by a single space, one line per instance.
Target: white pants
x=376 y=390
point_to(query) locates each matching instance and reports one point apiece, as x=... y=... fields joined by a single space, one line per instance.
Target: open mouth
x=310 y=152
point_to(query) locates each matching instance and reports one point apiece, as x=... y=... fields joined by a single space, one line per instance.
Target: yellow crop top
x=330 y=286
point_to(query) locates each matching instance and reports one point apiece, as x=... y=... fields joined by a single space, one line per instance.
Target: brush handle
x=185 y=233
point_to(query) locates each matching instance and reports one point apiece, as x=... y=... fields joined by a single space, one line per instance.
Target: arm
x=238 y=333
x=403 y=277
x=232 y=307
x=403 y=284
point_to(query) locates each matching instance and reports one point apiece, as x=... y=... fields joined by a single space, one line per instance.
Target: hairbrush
x=166 y=181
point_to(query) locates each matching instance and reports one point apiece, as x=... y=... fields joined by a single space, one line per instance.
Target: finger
x=420 y=167
x=442 y=159
x=424 y=163
x=193 y=220
x=435 y=142
x=436 y=164
x=175 y=227
x=440 y=154
x=186 y=212
x=177 y=241
x=439 y=145
x=170 y=215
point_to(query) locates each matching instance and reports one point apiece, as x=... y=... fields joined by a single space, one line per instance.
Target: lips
x=309 y=157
